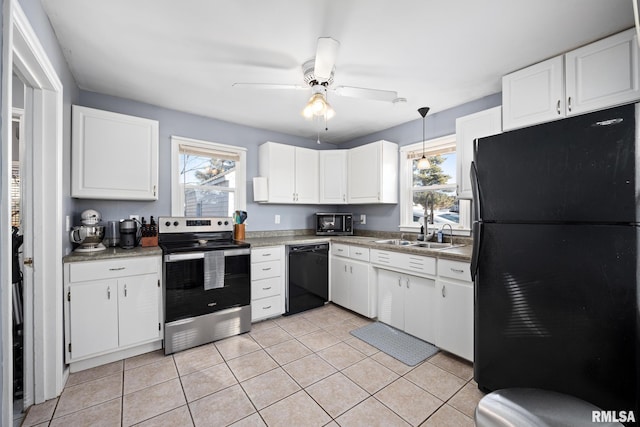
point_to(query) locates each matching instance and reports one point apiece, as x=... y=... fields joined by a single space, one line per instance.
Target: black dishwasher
x=307 y=277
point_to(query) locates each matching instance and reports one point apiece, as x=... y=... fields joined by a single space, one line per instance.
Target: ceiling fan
x=318 y=75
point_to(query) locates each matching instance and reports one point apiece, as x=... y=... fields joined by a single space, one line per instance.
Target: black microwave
x=336 y=224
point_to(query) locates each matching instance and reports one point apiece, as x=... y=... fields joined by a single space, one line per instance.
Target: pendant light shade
x=423 y=163
x=318 y=105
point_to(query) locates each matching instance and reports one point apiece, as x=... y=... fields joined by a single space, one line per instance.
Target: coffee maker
x=129 y=233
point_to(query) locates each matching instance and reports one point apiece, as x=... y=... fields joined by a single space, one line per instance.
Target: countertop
x=112 y=253
x=457 y=253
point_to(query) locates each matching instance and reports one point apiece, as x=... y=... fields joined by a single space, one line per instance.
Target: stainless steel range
x=207 y=281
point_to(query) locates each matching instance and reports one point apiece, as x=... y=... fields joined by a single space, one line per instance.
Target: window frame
x=177 y=191
x=406 y=184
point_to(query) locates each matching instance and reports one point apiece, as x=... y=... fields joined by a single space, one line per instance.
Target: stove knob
x=219 y=222
x=176 y=223
x=226 y=223
x=168 y=224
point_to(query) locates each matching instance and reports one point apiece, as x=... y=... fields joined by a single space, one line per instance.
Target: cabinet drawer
x=358 y=252
x=420 y=264
x=454 y=269
x=264 y=270
x=266 y=307
x=108 y=269
x=266 y=254
x=266 y=288
x=339 y=249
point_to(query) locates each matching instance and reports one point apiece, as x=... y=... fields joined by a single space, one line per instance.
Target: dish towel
x=213 y=270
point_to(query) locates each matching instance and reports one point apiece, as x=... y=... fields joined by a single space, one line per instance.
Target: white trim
x=177 y=193
x=24 y=55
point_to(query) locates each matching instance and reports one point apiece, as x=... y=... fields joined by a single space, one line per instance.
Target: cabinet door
x=534 y=94
x=390 y=299
x=603 y=74
x=468 y=128
x=360 y=296
x=138 y=302
x=333 y=177
x=364 y=174
x=454 y=314
x=114 y=156
x=306 y=175
x=419 y=307
x=93 y=314
x=340 y=282
x=277 y=163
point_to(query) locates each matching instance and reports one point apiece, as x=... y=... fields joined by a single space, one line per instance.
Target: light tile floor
x=302 y=370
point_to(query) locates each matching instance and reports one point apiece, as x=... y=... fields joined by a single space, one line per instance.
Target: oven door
x=186 y=295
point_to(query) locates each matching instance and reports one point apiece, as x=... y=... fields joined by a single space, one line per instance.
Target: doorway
x=42 y=246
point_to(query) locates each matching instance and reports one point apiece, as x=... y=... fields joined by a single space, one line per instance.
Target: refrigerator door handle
x=475 y=254
x=475 y=188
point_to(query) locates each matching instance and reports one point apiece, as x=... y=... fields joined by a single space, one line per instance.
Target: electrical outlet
x=136 y=217
x=363 y=219
x=277 y=219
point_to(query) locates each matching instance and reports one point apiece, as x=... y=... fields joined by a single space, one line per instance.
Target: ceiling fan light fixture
x=317 y=106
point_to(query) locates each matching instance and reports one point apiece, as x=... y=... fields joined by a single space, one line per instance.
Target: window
x=208 y=179
x=431 y=193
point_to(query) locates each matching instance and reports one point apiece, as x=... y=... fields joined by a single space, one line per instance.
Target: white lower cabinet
x=454 y=308
x=267 y=282
x=406 y=302
x=351 y=286
x=111 y=305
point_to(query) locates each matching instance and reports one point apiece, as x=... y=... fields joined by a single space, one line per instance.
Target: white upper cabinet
x=291 y=172
x=113 y=156
x=373 y=173
x=596 y=76
x=534 y=94
x=468 y=129
x=333 y=177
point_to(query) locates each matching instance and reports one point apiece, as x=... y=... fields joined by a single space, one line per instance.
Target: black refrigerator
x=555 y=260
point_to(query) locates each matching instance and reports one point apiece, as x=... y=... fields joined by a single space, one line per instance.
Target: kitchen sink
x=395 y=242
x=433 y=245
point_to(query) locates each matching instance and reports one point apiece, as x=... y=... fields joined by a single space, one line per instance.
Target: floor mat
x=397 y=344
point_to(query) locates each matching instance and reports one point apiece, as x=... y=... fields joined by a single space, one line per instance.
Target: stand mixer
x=89 y=235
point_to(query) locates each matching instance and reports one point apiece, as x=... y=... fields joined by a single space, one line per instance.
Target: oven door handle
x=183 y=257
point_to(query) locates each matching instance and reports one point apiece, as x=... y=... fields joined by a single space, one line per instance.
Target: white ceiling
x=186 y=55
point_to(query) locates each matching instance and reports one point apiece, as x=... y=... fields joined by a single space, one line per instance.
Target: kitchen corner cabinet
x=596 y=76
x=112 y=306
x=267 y=282
x=351 y=286
x=333 y=177
x=291 y=172
x=468 y=129
x=373 y=173
x=454 y=308
x=113 y=156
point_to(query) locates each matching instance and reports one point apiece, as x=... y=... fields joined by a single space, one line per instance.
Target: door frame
x=23 y=54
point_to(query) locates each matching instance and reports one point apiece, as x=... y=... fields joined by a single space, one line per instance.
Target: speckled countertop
x=457 y=253
x=111 y=253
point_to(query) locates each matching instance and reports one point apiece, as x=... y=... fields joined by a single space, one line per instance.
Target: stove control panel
x=171 y=224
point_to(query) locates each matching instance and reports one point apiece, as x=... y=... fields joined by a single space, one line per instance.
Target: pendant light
x=423 y=163
x=318 y=106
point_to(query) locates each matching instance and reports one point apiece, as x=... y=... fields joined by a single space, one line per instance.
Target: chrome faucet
x=450 y=232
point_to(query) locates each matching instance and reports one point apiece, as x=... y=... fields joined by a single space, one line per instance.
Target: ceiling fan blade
x=269 y=86
x=326 y=54
x=374 y=94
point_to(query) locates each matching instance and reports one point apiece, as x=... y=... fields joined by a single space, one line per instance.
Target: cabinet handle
x=154 y=191
x=267 y=254
x=125 y=290
x=399 y=282
x=266 y=308
x=351 y=269
x=443 y=292
x=558 y=107
x=117 y=268
x=344 y=197
x=358 y=253
x=457 y=270
x=345 y=268
x=266 y=289
x=266 y=269
x=108 y=292
x=569 y=104
x=407 y=283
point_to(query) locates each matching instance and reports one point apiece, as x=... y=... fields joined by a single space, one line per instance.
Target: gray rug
x=397 y=344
